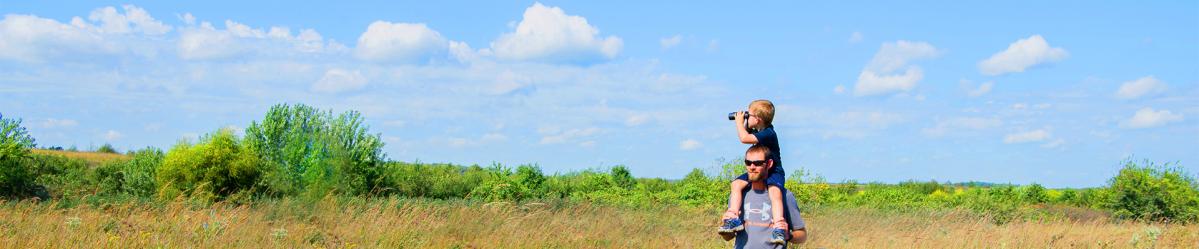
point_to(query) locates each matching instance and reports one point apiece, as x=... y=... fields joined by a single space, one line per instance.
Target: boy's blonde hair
x=763 y=109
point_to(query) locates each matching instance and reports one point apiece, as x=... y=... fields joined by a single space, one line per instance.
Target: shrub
x=107 y=148
x=15 y=176
x=308 y=150
x=134 y=177
x=215 y=168
x=1153 y=192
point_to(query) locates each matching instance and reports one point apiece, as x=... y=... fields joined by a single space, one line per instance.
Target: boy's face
x=753 y=121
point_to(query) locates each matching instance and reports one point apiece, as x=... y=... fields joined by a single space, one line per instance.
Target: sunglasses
x=755 y=163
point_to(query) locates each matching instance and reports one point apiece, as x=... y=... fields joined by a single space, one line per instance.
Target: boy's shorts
x=774 y=178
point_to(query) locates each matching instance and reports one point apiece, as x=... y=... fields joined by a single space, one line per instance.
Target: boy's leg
x=735 y=197
x=779 y=234
x=776 y=206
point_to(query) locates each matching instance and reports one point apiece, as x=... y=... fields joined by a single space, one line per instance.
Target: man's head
x=757 y=162
x=763 y=111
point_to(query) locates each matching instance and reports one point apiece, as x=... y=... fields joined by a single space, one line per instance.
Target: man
x=757 y=210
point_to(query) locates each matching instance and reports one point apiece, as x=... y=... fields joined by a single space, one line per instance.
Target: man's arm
x=799 y=236
x=728 y=237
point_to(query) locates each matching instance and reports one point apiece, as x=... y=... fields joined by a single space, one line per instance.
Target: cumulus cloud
x=1144 y=86
x=982 y=89
x=400 y=42
x=856 y=37
x=485 y=139
x=636 y=119
x=1027 y=137
x=670 y=42
x=879 y=76
x=548 y=34
x=1148 y=118
x=959 y=124
x=113 y=135
x=1021 y=55
x=339 y=80
x=30 y=38
x=689 y=144
x=555 y=136
x=206 y=42
x=59 y=123
x=133 y=20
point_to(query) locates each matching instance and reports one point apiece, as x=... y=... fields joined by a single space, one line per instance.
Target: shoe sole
x=731 y=231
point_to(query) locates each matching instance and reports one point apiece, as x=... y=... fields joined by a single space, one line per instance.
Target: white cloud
x=871 y=83
x=1054 y=144
x=689 y=144
x=399 y=42
x=1021 y=55
x=1148 y=118
x=547 y=34
x=30 y=38
x=856 y=37
x=112 y=135
x=670 y=42
x=984 y=88
x=1147 y=85
x=485 y=139
x=566 y=136
x=637 y=119
x=59 y=123
x=953 y=125
x=878 y=77
x=839 y=89
x=134 y=20
x=511 y=82
x=1027 y=137
x=206 y=42
x=339 y=80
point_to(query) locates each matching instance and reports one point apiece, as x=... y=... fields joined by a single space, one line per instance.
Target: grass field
x=422 y=223
x=92 y=158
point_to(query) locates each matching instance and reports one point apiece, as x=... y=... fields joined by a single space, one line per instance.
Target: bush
x=16 y=178
x=134 y=177
x=107 y=148
x=308 y=150
x=1153 y=192
x=215 y=168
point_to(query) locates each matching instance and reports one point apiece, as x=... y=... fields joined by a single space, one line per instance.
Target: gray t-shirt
x=756 y=213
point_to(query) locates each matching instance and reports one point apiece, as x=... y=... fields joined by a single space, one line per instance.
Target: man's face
x=756 y=165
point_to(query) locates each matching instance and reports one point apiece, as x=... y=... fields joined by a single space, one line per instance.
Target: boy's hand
x=739 y=118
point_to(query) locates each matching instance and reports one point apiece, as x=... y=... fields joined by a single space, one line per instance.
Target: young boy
x=761 y=114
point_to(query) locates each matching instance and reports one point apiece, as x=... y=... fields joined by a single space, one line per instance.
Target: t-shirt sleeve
x=766 y=135
x=794 y=218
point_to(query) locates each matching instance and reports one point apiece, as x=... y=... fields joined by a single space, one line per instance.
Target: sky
x=1057 y=93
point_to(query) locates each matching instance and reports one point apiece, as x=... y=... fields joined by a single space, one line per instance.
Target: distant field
x=422 y=223
x=93 y=158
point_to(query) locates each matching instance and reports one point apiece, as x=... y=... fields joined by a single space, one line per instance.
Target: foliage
x=134 y=177
x=107 y=148
x=309 y=150
x=215 y=168
x=1148 y=191
x=15 y=176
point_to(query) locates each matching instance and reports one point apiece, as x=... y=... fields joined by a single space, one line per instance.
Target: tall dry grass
x=419 y=223
x=92 y=158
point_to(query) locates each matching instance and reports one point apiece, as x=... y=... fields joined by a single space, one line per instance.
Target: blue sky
x=1055 y=93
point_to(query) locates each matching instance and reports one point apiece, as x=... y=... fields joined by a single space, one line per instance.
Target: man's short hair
x=759 y=148
x=763 y=109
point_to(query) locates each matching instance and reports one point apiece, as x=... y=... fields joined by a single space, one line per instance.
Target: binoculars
x=733 y=115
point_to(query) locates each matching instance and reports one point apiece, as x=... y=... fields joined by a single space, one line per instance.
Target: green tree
x=15 y=176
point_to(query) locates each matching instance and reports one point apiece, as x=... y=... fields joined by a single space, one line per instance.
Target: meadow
x=303 y=177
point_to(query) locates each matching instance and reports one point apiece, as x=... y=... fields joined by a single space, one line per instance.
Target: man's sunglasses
x=755 y=163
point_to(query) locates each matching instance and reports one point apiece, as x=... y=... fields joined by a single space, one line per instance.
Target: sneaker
x=731 y=226
x=778 y=236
